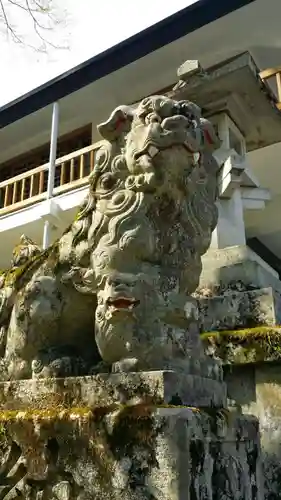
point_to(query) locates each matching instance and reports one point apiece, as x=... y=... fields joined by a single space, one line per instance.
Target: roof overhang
x=127 y=52
x=212 y=43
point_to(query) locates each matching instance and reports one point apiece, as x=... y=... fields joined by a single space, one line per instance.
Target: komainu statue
x=114 y=292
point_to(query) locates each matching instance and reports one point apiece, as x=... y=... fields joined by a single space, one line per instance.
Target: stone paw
x=126 y=365
x=64 y=366
x=100 y=367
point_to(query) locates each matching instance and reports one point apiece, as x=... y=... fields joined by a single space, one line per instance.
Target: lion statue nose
x=175 y=122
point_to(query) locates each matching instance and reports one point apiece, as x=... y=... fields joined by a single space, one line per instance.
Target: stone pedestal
x=237 y=263
x=237 y=290
x=123 y=436
x=239 y=301
x=240 y=309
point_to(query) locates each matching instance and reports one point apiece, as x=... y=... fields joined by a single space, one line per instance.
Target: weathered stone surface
x=239 y=309
x=239 y=304
x=114 y=290
x=25 y=251
x=128 y=454
x=223 y=268
x=105 y=390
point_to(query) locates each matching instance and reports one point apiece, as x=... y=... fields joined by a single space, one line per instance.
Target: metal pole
x=46 y=234
x=52 y=164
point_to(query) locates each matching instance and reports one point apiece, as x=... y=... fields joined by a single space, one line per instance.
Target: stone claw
x=125 y=365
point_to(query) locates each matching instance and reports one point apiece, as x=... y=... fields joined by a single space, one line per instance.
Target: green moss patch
x=249 y=345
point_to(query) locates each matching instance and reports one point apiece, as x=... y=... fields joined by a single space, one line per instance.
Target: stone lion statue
x=113 y=293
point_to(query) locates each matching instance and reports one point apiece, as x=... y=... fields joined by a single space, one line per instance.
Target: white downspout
x=52 y=165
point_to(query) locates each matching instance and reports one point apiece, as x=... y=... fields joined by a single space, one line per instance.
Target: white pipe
x=53 y=149
x=46 y=234
x=52 y=166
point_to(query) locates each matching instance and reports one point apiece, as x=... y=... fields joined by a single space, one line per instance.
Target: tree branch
x=42 y=18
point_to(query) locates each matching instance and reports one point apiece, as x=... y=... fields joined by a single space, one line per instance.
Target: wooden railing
x=71 y=172
x=275 y=73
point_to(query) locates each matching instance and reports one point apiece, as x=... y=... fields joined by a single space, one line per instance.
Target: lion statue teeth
x=114 y=292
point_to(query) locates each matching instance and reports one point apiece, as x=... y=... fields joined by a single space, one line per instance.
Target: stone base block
x=240 y=309
x=224 y=267
x=129 y=454
x=105 y=390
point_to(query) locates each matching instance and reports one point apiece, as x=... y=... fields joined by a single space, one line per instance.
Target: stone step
x=153 y=388
x=235 y=309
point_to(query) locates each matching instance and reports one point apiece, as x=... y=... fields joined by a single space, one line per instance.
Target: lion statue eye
x=107 y=181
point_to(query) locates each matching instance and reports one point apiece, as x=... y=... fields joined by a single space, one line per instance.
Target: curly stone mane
x=127 y=265
x=112 y=174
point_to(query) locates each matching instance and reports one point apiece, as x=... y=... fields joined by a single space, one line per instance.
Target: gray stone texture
x=240 y=309
x=230 y=265
x=239 y=291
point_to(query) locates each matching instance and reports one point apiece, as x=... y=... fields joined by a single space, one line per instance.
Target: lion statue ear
x=118 y=124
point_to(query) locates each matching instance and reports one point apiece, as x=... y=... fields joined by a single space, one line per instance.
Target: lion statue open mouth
x=127 y=265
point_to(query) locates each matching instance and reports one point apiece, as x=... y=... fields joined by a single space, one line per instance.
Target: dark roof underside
x=147 y=41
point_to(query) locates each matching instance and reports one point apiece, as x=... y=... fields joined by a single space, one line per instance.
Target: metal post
x=52 y=164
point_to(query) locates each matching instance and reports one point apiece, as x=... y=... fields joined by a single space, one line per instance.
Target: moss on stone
x=249 y=345
x=3 y=433
x=60 y=413
x=18 y=275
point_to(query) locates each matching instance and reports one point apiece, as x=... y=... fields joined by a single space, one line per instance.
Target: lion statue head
x=148 y=219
